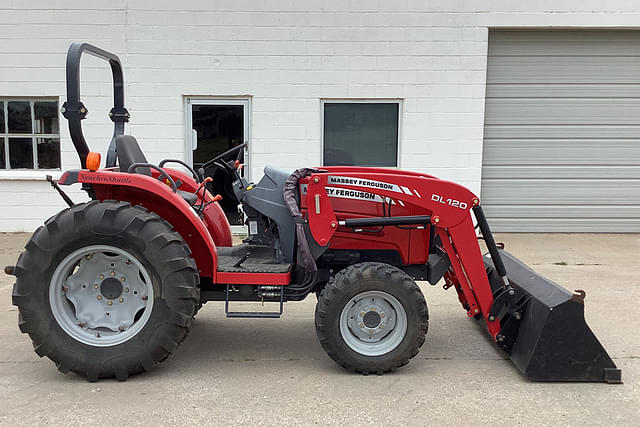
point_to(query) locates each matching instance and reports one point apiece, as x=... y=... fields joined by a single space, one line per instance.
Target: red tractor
x=110 y=287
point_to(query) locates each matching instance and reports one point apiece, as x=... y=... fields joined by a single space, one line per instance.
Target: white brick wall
x=287 y=55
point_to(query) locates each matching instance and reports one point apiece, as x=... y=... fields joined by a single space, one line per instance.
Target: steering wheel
x=195 y=174
x=221 y=161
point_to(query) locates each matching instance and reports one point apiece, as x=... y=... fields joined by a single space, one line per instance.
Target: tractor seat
x=129 y=152
x=188 y=197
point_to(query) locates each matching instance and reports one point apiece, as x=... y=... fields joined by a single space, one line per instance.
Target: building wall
x=286 y=55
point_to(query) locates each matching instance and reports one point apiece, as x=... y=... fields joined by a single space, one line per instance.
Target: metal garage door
x=562 y=131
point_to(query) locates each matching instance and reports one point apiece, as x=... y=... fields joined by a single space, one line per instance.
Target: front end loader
x=110 y=287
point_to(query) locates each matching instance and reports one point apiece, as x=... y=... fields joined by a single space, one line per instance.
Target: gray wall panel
x=563 y=111
x=557 y=211
x=548 y=152
x=561 y=172
x=562 y=131
x=566 y=131
x=574 y=90
x=564 y=192
x=565 y=69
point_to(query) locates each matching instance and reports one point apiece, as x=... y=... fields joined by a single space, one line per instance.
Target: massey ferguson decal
x=344 y=193
x=360 y=182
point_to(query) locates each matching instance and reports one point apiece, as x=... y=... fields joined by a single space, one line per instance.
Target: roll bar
x=75 y=111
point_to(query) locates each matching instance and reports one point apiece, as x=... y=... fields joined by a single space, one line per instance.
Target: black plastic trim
x=185 y=164
x=382 y=221
x=163 y=174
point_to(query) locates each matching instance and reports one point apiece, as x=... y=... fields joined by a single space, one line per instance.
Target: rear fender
x=156 y=197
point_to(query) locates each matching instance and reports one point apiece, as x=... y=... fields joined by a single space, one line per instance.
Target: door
x=215 y=126
x=562 y=131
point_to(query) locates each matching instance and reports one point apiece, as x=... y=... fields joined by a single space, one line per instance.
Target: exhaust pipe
x=543 y=327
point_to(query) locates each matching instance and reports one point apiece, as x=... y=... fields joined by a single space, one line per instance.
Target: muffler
x=543 y=327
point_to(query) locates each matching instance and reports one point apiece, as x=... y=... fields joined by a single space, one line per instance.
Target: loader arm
x=537 y=322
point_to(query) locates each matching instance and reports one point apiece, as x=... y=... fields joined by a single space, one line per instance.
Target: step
x=253 y=314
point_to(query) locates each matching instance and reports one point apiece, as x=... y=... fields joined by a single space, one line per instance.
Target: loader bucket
x=551 y=341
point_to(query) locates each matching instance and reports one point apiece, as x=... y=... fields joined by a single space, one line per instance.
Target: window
x=360 y=133
x=29 y=134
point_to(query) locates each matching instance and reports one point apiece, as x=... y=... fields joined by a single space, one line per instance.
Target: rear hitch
x=60 y=191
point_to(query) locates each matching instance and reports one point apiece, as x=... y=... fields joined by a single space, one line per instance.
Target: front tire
x=106 y=289
x=371 y=318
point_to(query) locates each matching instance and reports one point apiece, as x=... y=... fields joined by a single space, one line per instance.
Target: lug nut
x=362 y=325
x=517 y=315
x=99 y=297
x=126 y=290
x=476 y=311
x=512 y=292
x=109 y=303
x=361 y=313
x=128 y=262
x=113 y=273
x=121 y=300
x=89 y=256
x=95 y=286
x=123 y=279
x=144 y=298
x=316 y=180
x=381 y=325
x=491 y=318
x=382 y=315
x=101 y=276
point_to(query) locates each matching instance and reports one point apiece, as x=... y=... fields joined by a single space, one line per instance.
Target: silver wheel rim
x=101 y=295
x=373 y=323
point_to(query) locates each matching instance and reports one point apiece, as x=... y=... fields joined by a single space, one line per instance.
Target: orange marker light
x=93 y=161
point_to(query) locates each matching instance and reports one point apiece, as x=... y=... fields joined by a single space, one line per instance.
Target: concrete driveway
x=273 y=371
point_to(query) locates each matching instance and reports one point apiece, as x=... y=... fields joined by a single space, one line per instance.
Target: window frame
x=244 y=101
x=398 y=101
x=6 y=135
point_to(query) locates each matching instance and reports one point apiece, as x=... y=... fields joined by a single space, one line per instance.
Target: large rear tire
x=106 y=289
x=371 y=318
